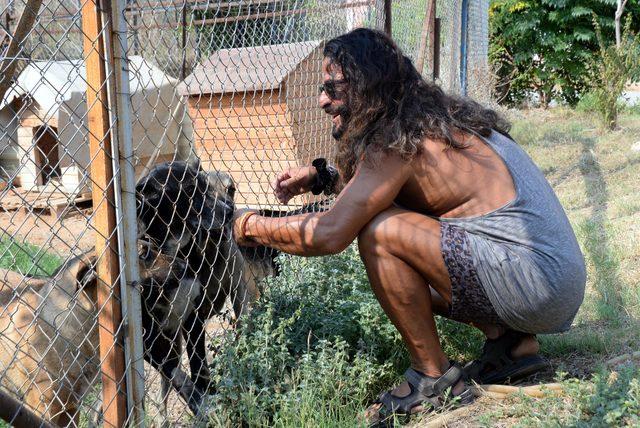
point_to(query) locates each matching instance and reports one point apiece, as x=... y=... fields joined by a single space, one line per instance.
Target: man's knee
x=373 y=235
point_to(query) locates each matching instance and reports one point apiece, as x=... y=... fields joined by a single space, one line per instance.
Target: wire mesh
x=222 y=96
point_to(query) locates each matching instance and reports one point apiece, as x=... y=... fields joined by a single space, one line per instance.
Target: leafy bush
x=541 y=49
x=315 y=348
x=612 y=400
x=587 y=103
x=612 y=69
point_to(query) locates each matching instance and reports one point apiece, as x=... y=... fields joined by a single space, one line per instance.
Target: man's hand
x=294 y=182
x=240 y=218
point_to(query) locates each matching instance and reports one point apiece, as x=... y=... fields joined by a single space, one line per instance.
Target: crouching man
x=451 y=216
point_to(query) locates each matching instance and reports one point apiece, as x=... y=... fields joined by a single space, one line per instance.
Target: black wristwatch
x=326 y=177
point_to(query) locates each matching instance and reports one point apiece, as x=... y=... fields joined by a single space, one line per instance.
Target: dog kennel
x=255 y=113
x=44 y=130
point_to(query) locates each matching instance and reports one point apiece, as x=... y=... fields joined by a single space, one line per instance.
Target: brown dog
x=48 y=338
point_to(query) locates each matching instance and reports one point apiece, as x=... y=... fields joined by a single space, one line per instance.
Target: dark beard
x=338 y=131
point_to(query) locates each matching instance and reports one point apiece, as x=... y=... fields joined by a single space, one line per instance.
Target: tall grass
x=315 y=349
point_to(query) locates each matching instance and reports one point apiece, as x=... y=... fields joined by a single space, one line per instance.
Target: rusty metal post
x=387 y=17
x=427 y=37
x=436 y=49
x=114 y=398
x=432 y=49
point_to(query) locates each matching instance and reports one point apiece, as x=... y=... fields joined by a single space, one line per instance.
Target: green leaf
x=578 y=11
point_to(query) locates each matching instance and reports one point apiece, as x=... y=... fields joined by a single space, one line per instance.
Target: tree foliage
x=545 y=47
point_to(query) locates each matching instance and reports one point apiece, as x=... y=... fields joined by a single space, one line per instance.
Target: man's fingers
x=286 y=195
x=283 y=176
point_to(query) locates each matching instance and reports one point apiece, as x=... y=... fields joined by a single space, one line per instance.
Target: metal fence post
x=110 y=316
x=126 y=207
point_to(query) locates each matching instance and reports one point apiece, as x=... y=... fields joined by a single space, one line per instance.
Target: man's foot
x=420 y=393
x=510 y=357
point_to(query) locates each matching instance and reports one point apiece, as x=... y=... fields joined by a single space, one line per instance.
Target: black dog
x=185 y=215
x=190 y=265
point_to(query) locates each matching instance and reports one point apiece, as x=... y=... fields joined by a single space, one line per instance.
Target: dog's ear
x=81 y=272
x=222 y=183
x=195 y=164
x=217 y=212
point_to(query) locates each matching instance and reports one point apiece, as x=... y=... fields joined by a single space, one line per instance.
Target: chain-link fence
x=129 y=132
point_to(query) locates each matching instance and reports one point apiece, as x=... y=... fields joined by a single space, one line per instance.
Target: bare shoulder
x=383 y=173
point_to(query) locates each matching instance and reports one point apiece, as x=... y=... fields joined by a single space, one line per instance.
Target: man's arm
x=370 y=191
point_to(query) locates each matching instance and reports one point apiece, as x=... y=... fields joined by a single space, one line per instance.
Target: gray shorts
x=469 y=301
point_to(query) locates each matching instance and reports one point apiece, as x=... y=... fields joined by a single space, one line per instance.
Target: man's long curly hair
x=391 y=107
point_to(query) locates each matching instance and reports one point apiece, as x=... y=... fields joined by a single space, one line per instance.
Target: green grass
x=595 y=175
x=28 y=259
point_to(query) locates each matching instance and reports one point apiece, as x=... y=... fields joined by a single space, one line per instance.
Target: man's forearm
x=304 y=234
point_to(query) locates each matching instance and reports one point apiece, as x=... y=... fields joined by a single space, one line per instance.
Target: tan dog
x=48 y=339
x=48 y=331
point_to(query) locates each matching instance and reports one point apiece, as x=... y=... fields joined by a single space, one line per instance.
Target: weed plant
x=315 y=349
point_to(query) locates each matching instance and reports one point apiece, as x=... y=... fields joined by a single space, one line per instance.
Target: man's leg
x=528 y=346
x=402 y=254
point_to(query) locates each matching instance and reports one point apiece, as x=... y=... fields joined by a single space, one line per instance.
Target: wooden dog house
x=255 y=113
x=34 y=142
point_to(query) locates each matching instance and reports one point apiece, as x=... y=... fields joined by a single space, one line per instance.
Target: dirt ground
x=63 y=237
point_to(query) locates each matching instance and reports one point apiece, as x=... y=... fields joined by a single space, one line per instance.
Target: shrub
x=316 y=347
x=587 y=103
x=612 y=400
x=611 y=70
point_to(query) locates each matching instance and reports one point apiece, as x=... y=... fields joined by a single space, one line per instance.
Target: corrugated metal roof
x=246 y=69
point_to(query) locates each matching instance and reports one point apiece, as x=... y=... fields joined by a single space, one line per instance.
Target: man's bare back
x=448 y=182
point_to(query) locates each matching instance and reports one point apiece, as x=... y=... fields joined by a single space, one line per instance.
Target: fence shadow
x=609 y=304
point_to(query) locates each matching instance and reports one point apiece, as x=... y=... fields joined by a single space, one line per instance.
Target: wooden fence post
x=110 y=316
x=427 y=38
x=387 y=17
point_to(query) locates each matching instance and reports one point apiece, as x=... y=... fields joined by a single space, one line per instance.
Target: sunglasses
x=330 y=88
